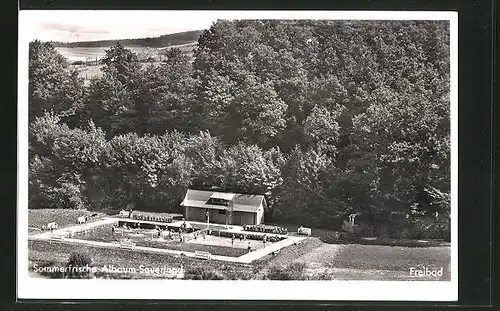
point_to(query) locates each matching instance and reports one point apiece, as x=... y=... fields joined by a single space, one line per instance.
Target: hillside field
x=82 y=53
x=63 y=217
x=90 y=71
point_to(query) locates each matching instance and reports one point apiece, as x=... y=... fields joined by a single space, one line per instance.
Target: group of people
x=171 y=233
x=266 y=229
x=44 y=227
x=148 y=217
x=50 y=226
x=196 y=236
x=233 y=237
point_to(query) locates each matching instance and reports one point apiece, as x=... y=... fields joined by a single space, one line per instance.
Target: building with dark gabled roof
x=224 y=207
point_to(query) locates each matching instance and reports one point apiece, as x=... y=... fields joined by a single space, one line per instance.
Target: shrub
x=394 y=228
x=78 y=259
x=237 y=274
x=203 y=273
x=430 y=228
x=78 y=265
x=347 y=227
x=322 y=276
x=364 y=230
x=294 y=271
x=399 y=229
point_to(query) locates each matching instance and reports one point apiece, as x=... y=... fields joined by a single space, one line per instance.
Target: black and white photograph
x=238 y=155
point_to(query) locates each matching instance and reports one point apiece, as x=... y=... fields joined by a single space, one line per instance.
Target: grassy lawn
x=57 y=254
x=63 y=217
x=378 y=257
x=362 y=262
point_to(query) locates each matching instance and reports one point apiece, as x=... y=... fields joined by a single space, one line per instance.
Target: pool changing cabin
x=224 y=208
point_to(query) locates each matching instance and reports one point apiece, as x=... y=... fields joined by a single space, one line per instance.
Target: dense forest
x=153 y=42
x=327 y=118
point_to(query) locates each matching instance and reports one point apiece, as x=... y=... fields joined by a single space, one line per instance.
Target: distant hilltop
x=154 y=42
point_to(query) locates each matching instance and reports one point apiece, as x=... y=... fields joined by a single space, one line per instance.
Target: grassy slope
x=362 y=262
x=58 y=254
x=63 y=217
x=386 y=257
x=379 y=259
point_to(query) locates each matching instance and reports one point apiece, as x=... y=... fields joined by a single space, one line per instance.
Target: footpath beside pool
x=274 y=247
x=73 y=229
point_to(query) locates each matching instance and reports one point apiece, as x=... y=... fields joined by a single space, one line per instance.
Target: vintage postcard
x=251 y=155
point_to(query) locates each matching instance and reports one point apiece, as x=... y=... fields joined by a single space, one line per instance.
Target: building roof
x=223 y=195
x=241 y=202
